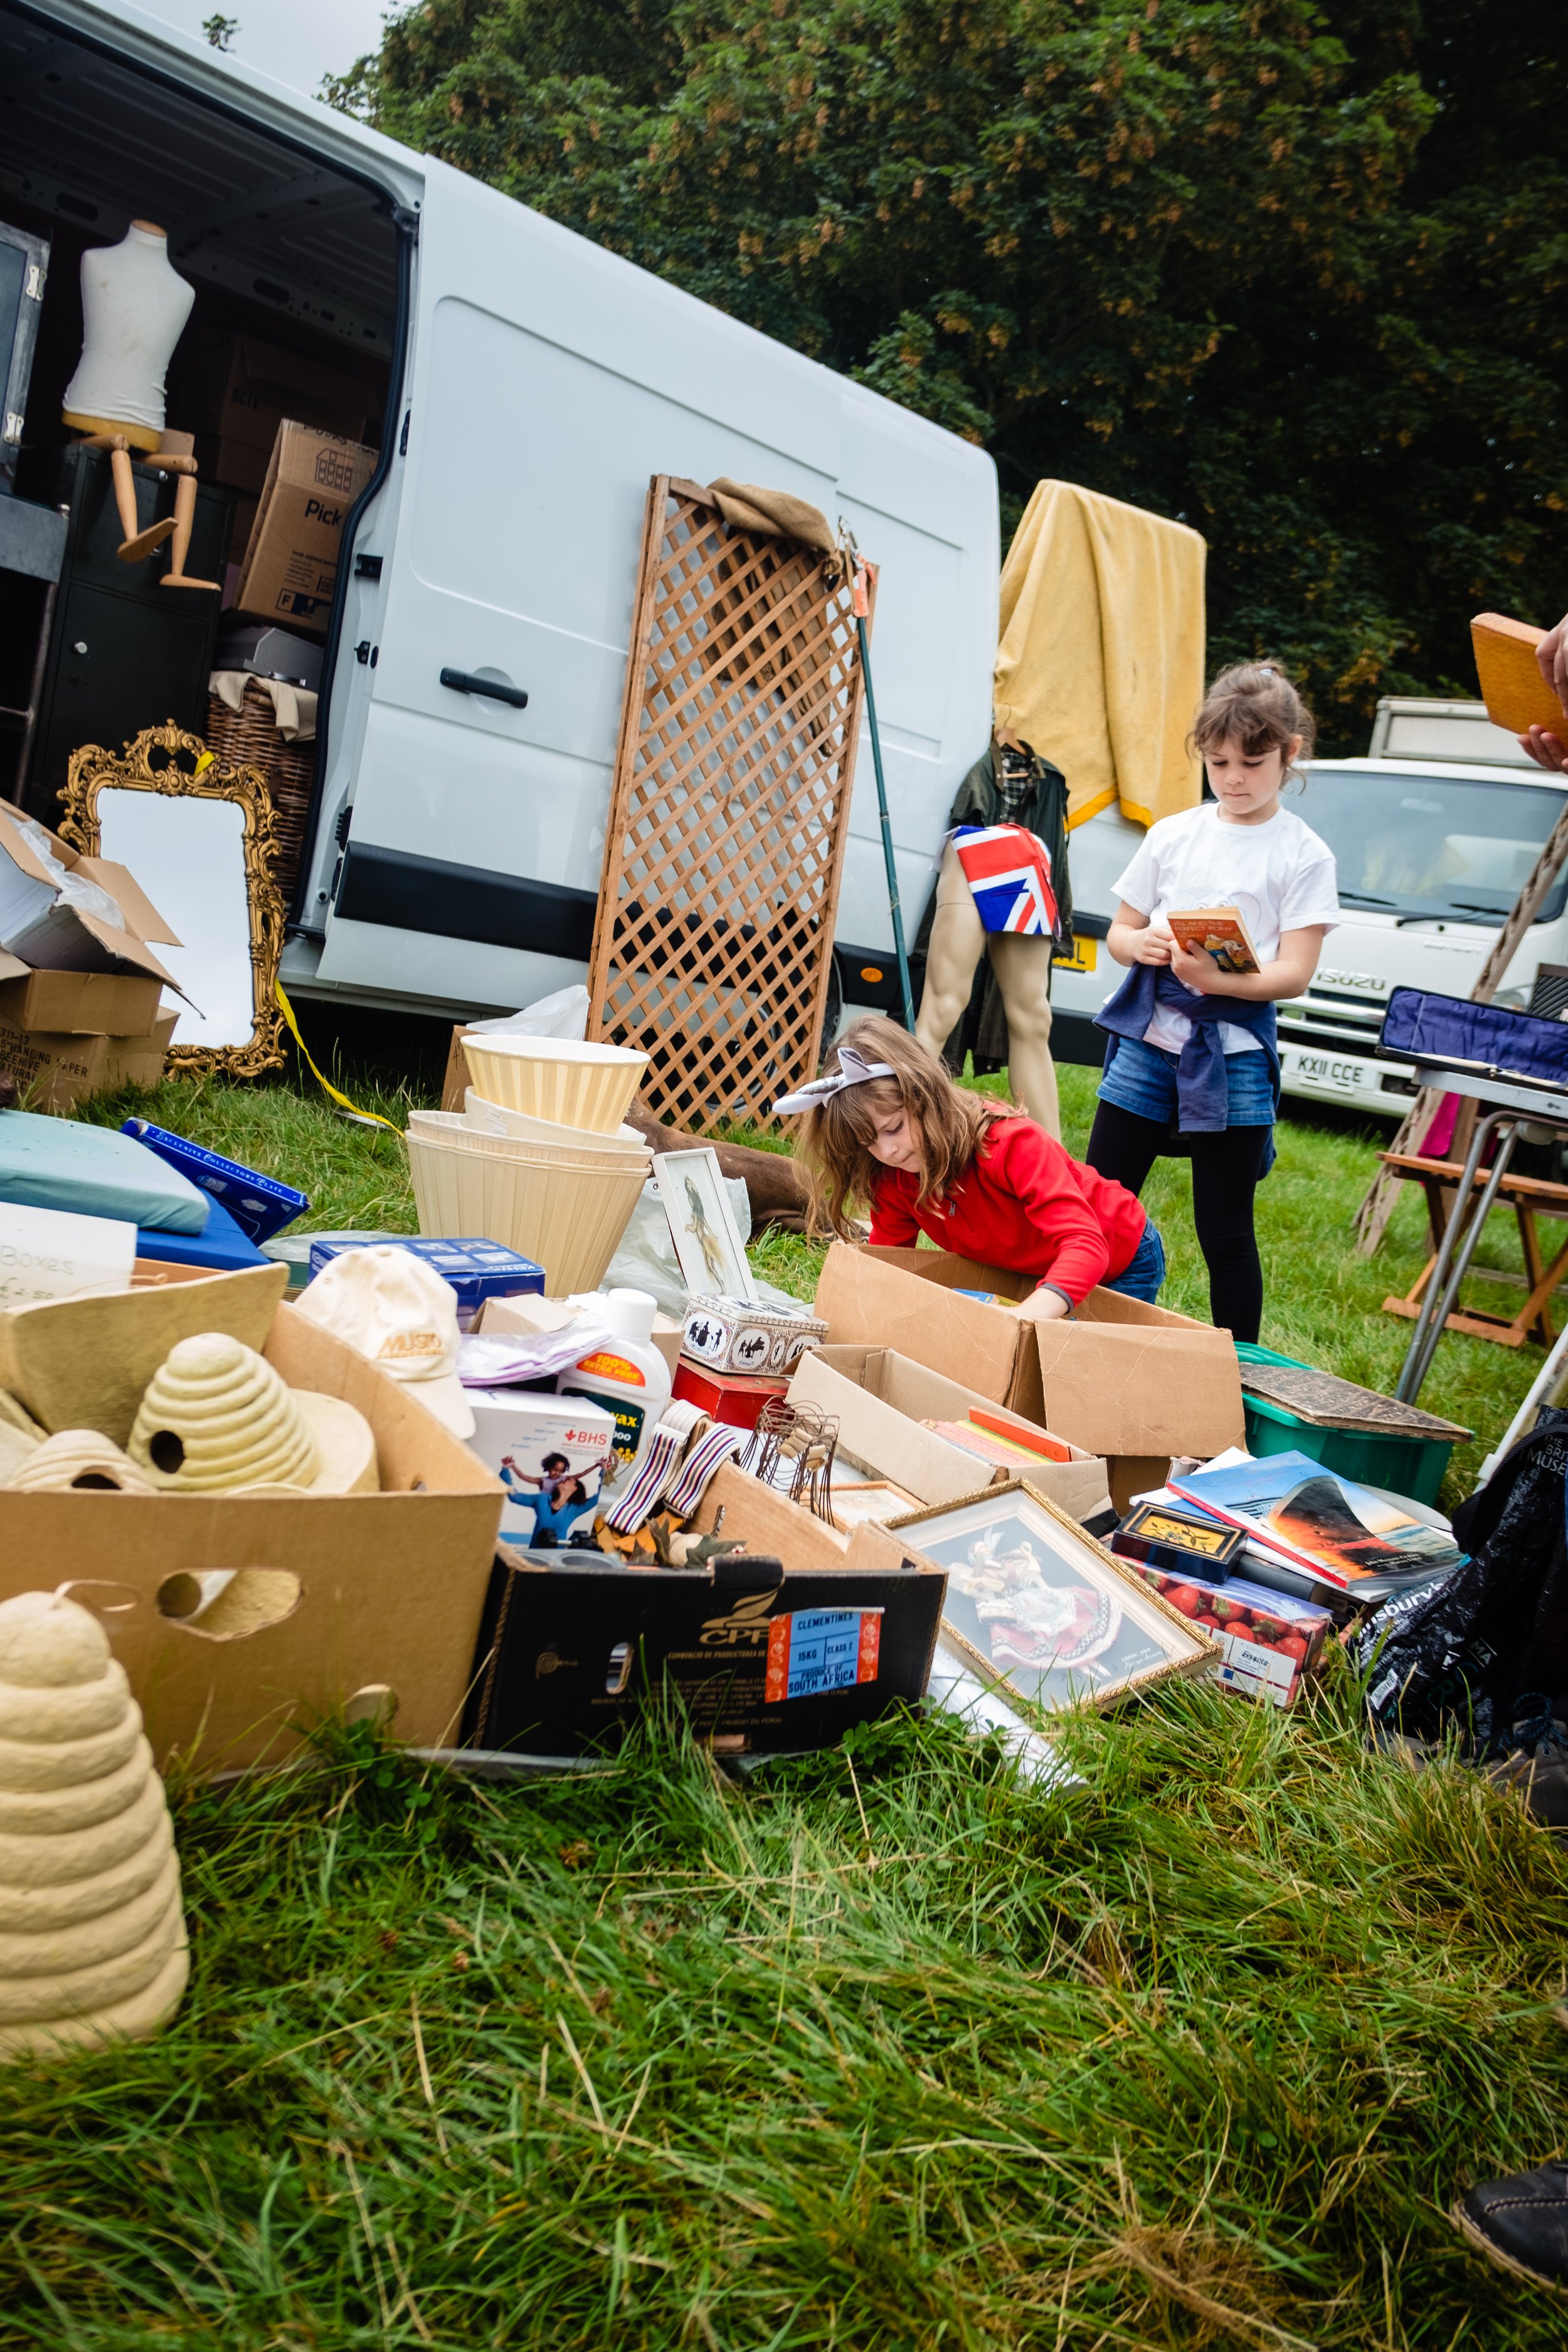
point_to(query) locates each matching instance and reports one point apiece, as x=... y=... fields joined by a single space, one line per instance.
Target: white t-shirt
x=1279 y=874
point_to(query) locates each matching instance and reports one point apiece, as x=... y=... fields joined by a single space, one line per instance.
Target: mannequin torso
x=133 y=307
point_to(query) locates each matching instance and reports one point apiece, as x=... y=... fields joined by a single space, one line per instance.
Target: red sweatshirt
x=1024 y=1205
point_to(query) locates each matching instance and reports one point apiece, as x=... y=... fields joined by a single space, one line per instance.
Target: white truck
x=533 y=384
x=1434 y=832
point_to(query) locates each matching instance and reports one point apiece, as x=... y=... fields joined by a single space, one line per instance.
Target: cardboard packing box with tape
x=290 y=568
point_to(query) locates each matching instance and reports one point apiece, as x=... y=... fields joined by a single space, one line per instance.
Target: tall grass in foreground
x=880 y=2048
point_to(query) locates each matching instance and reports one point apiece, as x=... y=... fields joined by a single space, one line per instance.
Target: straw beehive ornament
x=92 y=1939
x=82 y=1458
x=216 y=1416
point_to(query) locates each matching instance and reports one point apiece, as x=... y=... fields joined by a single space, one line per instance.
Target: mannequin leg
x=1022 y=969
x=957 y=944
x=184 y=472
x=137 y=545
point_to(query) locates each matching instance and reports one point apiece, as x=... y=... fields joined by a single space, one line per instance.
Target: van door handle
x=462 y=681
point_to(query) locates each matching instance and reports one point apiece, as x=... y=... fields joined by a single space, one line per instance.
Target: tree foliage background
x=1297 y=274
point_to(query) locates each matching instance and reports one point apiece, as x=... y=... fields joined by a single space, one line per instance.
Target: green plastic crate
x=1405 y=1465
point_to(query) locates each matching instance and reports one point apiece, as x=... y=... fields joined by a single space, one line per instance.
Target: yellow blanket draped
x=1101 y=664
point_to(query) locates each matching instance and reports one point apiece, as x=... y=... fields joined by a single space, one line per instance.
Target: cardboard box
x=549 y=1454
x=1269 y=1642
x=120 y=1004
x=880 y=1398
x=766 y=1521
x=54 y=1073
x=338 y=1595
x=237 y=389
x=735 y=1397
x=39 y=929
x=761 y=1661
x=290 y=568
x=138 y=1061
x=1131 y=1382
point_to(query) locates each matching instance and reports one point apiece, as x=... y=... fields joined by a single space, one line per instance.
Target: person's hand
x=1150 y=946
x=1552 y=654
x=1550 y=751
x=1196 y=970
x=1047 y=1305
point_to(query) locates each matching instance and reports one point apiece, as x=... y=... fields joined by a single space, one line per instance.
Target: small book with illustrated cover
x=1220 y=932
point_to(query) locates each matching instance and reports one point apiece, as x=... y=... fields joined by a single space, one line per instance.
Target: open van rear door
x=549 y=380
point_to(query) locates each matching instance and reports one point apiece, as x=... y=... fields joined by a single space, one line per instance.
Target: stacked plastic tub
x=538 y=1158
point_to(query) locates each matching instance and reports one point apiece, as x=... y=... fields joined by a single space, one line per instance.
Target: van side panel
x=549 y=381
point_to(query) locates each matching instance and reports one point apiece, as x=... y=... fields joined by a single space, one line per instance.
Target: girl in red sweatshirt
x=889 y=1127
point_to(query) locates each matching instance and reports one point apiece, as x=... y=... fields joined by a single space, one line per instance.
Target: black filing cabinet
x=126 y=652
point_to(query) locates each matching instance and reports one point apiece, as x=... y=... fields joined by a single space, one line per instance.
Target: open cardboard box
x=572 y=1645
x=880 y=1398
x=1131 y=1382
x=337 y=1595
x=41 y=930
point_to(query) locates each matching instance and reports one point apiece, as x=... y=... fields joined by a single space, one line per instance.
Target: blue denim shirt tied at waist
x=1202 y=1105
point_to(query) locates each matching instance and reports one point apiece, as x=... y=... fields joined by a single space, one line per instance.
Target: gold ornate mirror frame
x=165 y=760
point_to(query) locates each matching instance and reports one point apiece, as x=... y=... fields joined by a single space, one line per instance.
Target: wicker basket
x=250 y=737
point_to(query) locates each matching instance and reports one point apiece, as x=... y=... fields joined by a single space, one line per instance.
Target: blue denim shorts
x=1144 y=1271
x=1141 y=1078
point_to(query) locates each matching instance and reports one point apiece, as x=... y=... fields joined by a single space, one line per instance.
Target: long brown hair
x=834 y=1147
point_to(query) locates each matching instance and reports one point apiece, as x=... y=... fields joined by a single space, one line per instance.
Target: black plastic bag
x=1465 y=1654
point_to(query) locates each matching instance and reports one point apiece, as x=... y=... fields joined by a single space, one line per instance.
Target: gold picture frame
x=166 y=759
x=1180 y=1647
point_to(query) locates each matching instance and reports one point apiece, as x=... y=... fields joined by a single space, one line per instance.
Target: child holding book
x=1193 y=1047
x=890 y=1129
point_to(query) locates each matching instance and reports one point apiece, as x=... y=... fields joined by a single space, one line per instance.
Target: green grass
x=878 y=2049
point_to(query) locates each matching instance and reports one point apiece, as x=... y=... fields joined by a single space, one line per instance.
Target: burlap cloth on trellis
x=776 y=514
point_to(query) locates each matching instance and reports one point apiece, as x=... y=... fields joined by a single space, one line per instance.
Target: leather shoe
x=1521 y=2224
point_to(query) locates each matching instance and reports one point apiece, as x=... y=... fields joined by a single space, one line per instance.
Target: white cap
x=396 y=1310
x=630 y=1313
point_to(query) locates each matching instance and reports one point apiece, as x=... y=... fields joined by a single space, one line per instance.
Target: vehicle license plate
x=1328 y=1070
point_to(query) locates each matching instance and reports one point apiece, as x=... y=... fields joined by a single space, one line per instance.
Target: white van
x=534 y=383
x=1435 y=833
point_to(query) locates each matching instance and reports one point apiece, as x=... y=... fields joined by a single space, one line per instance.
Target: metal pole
x=896 y=911
x=1415 y=1370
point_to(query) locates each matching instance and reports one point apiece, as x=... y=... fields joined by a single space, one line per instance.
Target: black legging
x=1226 y=1169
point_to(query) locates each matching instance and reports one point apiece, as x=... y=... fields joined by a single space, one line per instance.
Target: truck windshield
x=1430 y=845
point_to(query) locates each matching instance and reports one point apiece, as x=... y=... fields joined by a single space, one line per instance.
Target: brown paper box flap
x=130 y=898
x=82 y=1363
x=1124 y=1389
x=12 y=967
x=886 y=1297
x=767 y=1521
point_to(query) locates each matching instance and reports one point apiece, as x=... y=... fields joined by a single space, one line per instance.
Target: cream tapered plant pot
x=92 y=1937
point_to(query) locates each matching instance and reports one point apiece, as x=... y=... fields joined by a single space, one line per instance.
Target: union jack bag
x=1008 y=870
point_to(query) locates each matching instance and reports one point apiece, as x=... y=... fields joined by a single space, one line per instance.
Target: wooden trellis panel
x=729 y=814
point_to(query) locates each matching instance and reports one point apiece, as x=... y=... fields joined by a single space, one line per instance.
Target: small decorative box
x=730 y=1336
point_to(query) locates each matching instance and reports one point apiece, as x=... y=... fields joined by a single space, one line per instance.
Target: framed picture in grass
x=1035 y=1602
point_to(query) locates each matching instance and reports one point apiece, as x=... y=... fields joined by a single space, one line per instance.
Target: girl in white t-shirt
x=1192 y=1046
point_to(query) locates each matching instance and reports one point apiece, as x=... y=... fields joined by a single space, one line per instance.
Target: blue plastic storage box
x=477 y=1269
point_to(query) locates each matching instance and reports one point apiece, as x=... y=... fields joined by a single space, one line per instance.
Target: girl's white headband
x=853 y=1071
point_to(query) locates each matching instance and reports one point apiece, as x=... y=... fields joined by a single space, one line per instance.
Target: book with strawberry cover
x=1218 y=931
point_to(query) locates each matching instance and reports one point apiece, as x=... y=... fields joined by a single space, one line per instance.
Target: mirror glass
x=188 y=855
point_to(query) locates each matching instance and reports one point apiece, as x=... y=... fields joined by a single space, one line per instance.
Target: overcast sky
x=295 y=41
